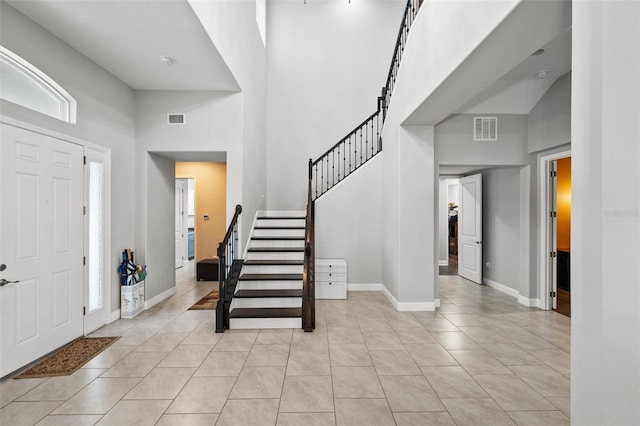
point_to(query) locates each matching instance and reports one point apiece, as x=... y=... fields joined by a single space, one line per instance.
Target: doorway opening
x=449 y=208
x=555 y=236
x=460 y=213
x=204 y=207
x=561 y=238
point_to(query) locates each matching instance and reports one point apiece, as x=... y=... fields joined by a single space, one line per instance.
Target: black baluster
x=344 y=158
x=327 y=157
x=366 y=142
x=349 y=154
x=322 y=177
x=371 y=138
x=333 y=167
x=360 y=147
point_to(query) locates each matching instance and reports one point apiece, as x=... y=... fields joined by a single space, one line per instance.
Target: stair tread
x=270 y=277
x=268 y=293
x=276 y=249
x=281 y=218
x=266 y=313
x=273 y=262
x=283 y=238
x=279 y=227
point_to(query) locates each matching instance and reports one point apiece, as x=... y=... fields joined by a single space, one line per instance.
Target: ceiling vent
x=485 y=128
x=176 y=119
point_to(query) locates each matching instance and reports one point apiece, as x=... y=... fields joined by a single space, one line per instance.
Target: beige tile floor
x=481 y=359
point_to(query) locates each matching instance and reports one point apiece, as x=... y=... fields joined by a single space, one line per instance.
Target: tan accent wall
x=564 y=203
x=210 y=199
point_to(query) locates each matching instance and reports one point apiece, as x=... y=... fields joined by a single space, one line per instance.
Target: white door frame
x=108 y=261
x=183 y=221
x=544 y=243
x=92 y=325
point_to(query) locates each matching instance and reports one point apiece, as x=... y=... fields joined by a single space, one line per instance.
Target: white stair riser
x=266 y=302
x=280 y=222
x=252 y=323
x=261 y=255
x=269 y=285
x=284 y=213
x=278 y=232
x=272 y=269
x=277 y=243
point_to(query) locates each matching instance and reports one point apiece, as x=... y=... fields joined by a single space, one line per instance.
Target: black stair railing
x=229 y=266
x=359 y=146
x=308 y=275
x=365 y=141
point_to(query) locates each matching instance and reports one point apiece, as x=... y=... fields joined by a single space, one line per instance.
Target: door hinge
x=552 y=254
x=553 y=173
x=552 y=294
x=84 y=160
x=553 y=214
x=84 y=210
x=84 y=310
x=84 y=260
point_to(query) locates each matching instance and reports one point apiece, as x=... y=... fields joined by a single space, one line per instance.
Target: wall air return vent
x=485 y=128
x=176 y=119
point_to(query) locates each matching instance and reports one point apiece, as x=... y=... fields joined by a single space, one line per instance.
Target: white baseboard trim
x=443 y=263
x=502 y=288
x=115 y=315
x=364 y=287
x=159 y=298
x=530 y=303
x=408 y=306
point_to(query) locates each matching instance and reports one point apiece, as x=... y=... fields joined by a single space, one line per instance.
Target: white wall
x=105 y=117
x=213 y=124
x=548 y=132
x=549 y=122
x=327 y=64
x=455 y=144
x=351 y=231
x=501 y=226
x=409 y=224
x=605 y=225
x=233 y=28
x=160 y=226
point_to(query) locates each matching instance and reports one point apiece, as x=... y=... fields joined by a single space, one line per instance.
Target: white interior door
x=97 y=295
x=180 y=223
x=41 y=239
x=470 y=228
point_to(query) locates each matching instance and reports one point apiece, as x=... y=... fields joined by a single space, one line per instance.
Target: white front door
x=470 y=228
x=97 y=275
x=180 y=223
x=41 y=238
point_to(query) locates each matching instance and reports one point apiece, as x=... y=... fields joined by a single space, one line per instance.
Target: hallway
x=480 y=359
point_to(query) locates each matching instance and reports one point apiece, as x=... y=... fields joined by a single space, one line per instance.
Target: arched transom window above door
x=23 y=84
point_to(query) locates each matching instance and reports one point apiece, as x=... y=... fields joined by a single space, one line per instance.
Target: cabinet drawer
x=337 y=268
x=330 y=277
x=325 y=265
x=331 y=291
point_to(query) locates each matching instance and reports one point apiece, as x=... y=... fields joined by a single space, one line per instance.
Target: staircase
x=269 y=289
x=276 y=283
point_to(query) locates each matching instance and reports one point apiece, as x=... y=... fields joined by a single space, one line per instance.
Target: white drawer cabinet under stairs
x=331 y=279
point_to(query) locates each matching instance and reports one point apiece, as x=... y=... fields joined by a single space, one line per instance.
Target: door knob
x=3 y=267
x=4 y=282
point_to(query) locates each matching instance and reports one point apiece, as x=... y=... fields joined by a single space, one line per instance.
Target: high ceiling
x=518 y=91
x=127 y=38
